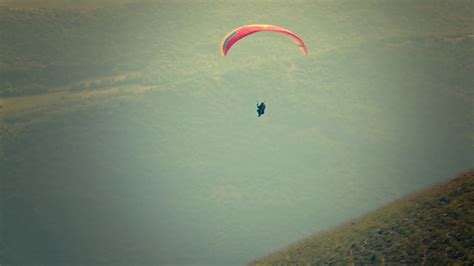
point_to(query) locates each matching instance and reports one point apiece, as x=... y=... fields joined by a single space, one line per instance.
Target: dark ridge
x=431 y=227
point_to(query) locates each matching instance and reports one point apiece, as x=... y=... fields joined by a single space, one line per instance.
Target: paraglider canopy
x=234 y=36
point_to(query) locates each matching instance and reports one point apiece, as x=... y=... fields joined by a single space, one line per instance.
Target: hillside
x=435 y=226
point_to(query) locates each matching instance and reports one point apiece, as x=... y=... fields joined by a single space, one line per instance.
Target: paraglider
x=260 y=109
x=239 y=33
x=234 y=36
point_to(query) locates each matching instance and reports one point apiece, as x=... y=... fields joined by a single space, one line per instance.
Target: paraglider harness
x=260 y=109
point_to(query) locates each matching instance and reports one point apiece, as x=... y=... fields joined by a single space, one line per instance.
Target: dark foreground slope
x=435 y=226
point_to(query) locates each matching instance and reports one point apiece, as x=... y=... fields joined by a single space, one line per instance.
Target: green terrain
x=432 y=227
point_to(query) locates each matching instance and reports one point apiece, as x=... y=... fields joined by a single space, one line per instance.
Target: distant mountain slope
x=63 y=3
x=431 y=227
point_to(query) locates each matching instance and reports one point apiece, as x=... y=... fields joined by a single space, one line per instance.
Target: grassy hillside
x=435 y=226
x=45 y=47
